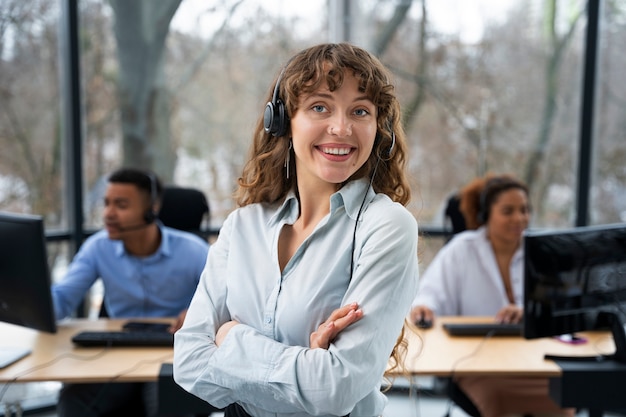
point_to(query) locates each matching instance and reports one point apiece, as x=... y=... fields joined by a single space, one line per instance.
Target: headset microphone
x=134 y=227
x=393 y=144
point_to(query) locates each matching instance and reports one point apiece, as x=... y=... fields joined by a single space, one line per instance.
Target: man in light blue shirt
x=147 y=269
x=160 y=284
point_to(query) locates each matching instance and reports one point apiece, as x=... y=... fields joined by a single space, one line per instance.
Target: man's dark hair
x=143 y=179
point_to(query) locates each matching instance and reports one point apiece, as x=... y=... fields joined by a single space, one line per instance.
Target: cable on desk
x=463 y=358
x=46 y=364
x=112 y=380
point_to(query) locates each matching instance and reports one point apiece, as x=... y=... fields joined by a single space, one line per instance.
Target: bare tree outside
x=184 y=101
x=30 y=135
x=141 y=28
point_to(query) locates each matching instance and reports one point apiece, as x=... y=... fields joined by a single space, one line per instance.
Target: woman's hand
x=510 y=314
x=422 y=314
x=223 y=331
x=178 y=323
x=338 y=320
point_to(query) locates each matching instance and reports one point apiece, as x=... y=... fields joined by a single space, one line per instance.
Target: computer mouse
x=424 y=324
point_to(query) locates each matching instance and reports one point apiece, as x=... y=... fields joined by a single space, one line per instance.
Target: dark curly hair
x=477 y=197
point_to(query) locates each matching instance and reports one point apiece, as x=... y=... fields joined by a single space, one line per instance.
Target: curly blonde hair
x=263 y=178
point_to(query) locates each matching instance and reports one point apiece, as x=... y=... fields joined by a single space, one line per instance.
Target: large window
x=177 y=86
x=608 y=193
x=32 y=172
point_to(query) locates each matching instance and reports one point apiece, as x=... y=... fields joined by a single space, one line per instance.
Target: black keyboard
x=123 y=338
x=484 y=329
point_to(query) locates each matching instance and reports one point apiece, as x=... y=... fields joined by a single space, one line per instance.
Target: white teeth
x=336 y=151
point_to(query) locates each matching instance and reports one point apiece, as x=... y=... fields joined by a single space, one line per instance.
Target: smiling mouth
x=336 y=151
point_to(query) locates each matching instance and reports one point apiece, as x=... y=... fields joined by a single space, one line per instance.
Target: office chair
x=184 y=208
x=453 y=215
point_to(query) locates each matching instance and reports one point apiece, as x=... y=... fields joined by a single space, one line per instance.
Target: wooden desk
x=55 y=358
x=433 y=352
x=430 y=352
x=591 y=386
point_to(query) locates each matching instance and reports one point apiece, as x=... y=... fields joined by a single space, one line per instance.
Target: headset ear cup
x=268 y=118
x=280 y=119
x=149 y=216
x=482 y=217
x=483 y=210
x=274 y=119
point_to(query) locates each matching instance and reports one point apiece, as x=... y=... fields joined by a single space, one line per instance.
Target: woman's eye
x=361 y=112
x=318 y=108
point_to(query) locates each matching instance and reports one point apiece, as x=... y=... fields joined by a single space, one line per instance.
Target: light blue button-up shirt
x=265 y=363
x=159 y=285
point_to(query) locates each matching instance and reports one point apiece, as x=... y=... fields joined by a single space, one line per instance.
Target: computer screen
x=25 y=296
x=575 y=280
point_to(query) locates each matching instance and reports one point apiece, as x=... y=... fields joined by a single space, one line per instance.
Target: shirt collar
x=164 y=248
x=350 y=195
x=519 y=252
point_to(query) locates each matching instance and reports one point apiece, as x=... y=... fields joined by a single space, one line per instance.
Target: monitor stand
x=616 y=326
x=9 y=355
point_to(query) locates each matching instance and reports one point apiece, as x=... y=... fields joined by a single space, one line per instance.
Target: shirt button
x=268 y=319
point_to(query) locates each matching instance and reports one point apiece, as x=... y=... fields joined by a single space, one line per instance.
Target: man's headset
x=276 y=120
x=150 y=215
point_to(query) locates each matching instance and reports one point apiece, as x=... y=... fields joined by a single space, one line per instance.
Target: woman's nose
x=340 y=126
x=522 y=216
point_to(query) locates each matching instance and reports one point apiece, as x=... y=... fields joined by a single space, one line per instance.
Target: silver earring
x=287 y=160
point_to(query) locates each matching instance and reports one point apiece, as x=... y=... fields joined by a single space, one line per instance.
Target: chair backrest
x=453 y=215
x=184 y=208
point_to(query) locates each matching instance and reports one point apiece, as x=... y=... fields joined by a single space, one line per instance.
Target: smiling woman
x=480 y=273
x=333 y=133
x=333 y=120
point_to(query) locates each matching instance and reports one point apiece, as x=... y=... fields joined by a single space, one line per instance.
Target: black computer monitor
x=25 y=296
x=575 y=280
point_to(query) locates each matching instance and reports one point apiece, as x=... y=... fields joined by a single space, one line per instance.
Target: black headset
x=275 y=118
x=275 y=122
x=483 y=211
x=485 y=194
x=151 y=215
